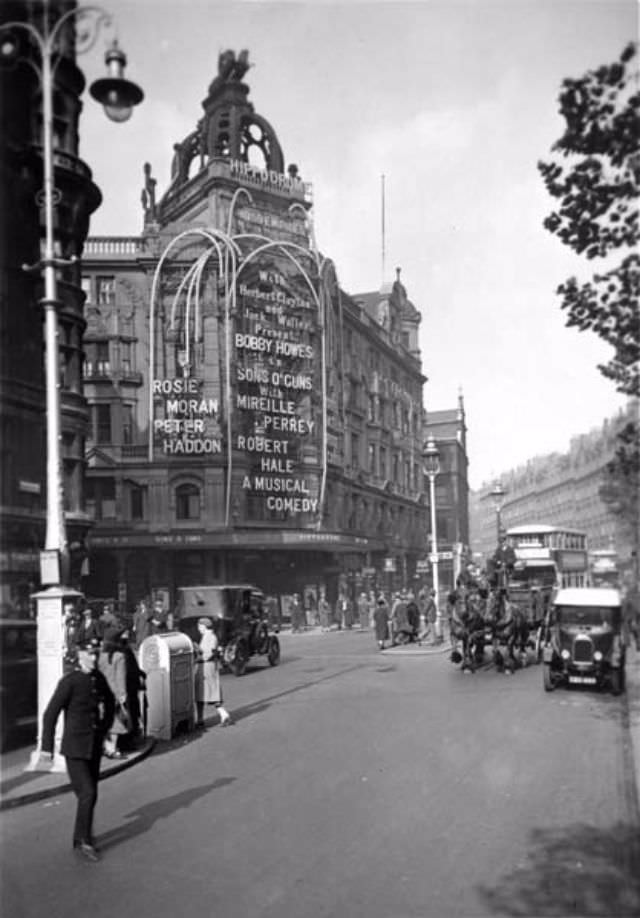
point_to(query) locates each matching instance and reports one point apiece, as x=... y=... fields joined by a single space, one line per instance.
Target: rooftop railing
x=112 y=245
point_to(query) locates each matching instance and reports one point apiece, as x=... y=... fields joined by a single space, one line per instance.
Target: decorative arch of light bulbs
x=231 y=263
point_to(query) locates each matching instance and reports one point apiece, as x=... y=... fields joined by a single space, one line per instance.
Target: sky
x=454 y=102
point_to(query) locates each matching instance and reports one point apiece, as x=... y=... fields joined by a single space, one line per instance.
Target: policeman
x=89 y=707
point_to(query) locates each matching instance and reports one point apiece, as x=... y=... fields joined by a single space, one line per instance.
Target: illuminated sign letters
x=276 y=395
x=188 y=425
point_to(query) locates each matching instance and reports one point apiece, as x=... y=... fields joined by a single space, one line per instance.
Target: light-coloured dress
x=207 y=679
x=114 y=667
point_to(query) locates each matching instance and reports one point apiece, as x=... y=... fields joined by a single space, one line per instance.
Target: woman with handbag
x=208 y=689
x=113 y=665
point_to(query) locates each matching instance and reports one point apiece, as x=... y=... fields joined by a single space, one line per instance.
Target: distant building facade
x=248 y=418
x=449 y=430
x=562 y=490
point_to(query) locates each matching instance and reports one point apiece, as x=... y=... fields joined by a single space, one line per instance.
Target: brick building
x=563 y=490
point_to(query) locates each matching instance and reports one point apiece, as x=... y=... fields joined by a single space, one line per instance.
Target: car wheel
x=273 y=651
x=617 y=681
x=240 y=659
x=549 y=681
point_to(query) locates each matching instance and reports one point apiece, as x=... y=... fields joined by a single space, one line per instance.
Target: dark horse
x=467 y=625
x=509 y=628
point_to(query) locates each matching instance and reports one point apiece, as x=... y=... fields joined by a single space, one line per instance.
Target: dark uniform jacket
x=89 y=707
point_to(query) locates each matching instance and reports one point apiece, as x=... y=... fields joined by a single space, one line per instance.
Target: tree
x=595 y=175
x=620 y=489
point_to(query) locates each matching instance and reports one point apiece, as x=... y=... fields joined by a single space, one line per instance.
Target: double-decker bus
x=545 y=553
x=604 y=568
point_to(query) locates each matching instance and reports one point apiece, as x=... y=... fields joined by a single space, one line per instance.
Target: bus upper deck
x=538 y=545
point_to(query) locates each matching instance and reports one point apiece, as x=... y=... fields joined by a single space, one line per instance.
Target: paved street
x=356 y=784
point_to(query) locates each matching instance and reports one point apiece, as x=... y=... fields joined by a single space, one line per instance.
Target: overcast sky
x=454 y=103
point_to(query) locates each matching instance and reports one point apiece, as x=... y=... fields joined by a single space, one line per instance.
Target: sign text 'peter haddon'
x=190 y=422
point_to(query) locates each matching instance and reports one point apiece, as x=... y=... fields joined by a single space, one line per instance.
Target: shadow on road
x=144 y=817
x=249 y=710
x=576 y=870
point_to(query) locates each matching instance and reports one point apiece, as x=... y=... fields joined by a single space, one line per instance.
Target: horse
x=509 y=629
x=467 y=625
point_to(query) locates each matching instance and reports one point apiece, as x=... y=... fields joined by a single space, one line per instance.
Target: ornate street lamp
x=118 y=97
x=431 y=466
x=498 y=494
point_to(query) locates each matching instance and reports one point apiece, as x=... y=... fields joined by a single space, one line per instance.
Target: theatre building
x=249 y=419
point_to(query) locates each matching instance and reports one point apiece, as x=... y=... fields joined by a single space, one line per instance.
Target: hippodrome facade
x=249 y=419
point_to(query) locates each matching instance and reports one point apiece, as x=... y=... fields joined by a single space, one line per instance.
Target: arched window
x=187 y=502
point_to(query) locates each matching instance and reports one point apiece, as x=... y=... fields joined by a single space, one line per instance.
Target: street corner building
x=245 y=419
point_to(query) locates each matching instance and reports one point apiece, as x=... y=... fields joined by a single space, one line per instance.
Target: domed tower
x=231 y=142
x=230 y=128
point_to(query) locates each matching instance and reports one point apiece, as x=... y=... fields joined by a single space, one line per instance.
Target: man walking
x=89 y=707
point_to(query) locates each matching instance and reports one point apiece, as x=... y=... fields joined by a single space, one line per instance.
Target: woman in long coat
x=207 y=676
x=113 y=665
x=381 y=622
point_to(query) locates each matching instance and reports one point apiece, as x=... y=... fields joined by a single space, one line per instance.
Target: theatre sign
x=246 y=395
x=187 y=423
x=277 y=403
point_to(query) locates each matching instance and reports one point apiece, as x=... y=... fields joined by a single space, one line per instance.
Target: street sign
x=423 y=566
x=441 y=556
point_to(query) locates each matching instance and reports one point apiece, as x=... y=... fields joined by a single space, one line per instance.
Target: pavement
x=19 y=787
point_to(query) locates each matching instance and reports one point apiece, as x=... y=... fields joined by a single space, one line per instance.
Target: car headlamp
x=597 y=656
x=565 y=654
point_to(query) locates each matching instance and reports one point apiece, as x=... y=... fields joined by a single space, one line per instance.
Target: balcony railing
x=134 y=451
x=112 y=245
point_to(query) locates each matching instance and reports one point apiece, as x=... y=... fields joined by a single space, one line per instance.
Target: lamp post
x=498 y=494
x=118 y=96
x=431 y=465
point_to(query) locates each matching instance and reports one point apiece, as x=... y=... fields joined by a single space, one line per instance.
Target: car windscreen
x=17 y=641
x=593 y=616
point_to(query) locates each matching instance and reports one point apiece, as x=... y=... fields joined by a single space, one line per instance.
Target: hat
x=206 y=622
x=92 y=646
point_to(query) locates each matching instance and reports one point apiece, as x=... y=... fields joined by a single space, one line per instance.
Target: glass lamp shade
x=114 y=92
x=431 y=458
x=118 y=97
x=8 y=49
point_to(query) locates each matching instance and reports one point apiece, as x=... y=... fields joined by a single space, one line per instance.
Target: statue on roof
x=231 y=69
x=148 y=196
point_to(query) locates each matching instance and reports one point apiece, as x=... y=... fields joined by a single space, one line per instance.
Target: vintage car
x=18 y=681
x=239 y=620
x=584 y=643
